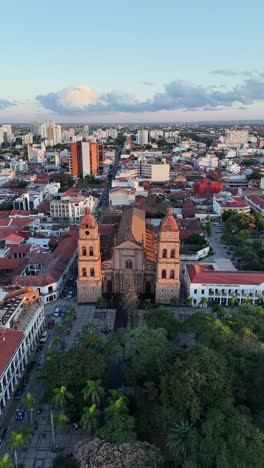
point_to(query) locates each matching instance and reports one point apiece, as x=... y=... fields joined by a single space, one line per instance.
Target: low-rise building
x=225 y=202
x=219 y=287
x=256 y=203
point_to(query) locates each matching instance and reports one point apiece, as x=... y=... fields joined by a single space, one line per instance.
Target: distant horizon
x=140 y=123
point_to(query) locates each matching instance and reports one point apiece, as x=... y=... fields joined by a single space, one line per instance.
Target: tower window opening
x=163 y=274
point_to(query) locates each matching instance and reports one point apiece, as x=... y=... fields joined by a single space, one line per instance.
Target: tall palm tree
x=29 y=401
x=248 y=300
x=174 y=300
x=130 y=300
x=17 y=440
x=203 y=301
x=177 y=440
x=101 y=302
x=147 y=304
x=234 y=301
x=118 y=405
x=60 y=396
x=91 y=338
x=89 y=418
x=93 y=390
x=62 y=421
x=189 y=300
x=5 y=462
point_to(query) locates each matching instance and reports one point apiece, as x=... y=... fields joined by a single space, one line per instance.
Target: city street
x=39 y=451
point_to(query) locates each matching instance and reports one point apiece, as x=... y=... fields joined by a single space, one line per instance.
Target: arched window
x=164 y=253
x=172 y=253
x=163 y=274
x=129 y=264
x=172 y=274
x=84 y=251
x=92 y=272
x=91 y=251
x=84 y=273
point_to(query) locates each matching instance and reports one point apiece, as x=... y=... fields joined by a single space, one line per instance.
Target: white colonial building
x=22 y=321
x=204 y=281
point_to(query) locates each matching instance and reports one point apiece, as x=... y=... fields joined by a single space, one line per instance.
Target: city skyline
x=140 y=64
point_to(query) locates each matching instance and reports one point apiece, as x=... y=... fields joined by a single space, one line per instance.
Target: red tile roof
x=9 y=342
x=203 y=274
x=259 y=201
x=14 y=238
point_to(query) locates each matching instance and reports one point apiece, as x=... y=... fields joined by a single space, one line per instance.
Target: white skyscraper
x=142 y=137
x=35 y=128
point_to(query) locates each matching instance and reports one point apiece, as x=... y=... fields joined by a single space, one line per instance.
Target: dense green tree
x=163 y=318
x=142 y=352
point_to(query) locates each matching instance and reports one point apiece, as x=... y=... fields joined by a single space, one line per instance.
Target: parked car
x=40 y=363
x=56 y=312
x=20 y=413
x=19 y=392
x=2 y=434
x=51 y=324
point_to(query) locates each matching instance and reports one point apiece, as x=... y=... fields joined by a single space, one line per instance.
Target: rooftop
x=202 y=274
x=9 y=342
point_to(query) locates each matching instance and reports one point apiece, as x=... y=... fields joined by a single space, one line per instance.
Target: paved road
x=39 y=453
x=215 y=242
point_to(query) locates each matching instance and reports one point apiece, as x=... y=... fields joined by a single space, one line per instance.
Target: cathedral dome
x=168 y=223
x=88 y=220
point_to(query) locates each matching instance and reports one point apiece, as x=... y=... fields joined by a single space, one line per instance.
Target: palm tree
x=234 y=301
x=18 y=439
x=29 y=401
x=5 y=462
x=62 y=421
x=91 y=338
x=147 y=304
x=89 y=418
x=60 y=396
x=261 y=301
x=116 y=403
x=51 y=355
x=101 y=302
x=203 y=301
x=130 y=300
x=93 y=390
x=189 y=300
x=248 y=300
x=177 y=440
x=174 y=301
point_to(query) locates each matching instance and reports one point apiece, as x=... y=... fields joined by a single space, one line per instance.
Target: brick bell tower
x=89 y=283
x=168 y=261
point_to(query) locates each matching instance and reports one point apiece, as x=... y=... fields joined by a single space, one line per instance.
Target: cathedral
x=151 y=258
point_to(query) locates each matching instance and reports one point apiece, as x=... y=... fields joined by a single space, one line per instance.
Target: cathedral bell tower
x=89 y=283
x=168 y=261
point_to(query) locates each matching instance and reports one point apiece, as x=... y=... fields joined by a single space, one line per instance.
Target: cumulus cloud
x=69 y=99
x=176 y=95
x=5 y=104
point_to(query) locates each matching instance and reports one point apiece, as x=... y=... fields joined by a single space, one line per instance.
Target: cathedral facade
x=151 y=259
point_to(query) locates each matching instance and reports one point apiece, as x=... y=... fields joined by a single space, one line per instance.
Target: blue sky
x=131 y=61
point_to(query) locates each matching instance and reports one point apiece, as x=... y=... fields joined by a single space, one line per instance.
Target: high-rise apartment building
x=51 y=131
x=84 y=159
x=142 y=137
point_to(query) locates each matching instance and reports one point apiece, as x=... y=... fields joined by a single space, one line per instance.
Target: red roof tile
x=203 y=274
x=9 y=342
